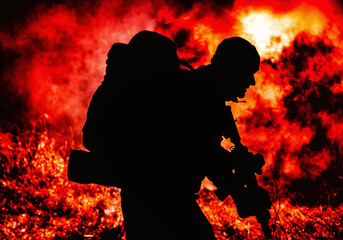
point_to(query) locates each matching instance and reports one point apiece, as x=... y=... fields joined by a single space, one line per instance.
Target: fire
x=272 y=32
x=293 y=116
x=37 y=199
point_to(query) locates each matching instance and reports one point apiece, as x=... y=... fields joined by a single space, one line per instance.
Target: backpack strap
x=186 y=64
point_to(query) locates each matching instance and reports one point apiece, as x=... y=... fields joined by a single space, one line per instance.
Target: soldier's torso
x=178 y=126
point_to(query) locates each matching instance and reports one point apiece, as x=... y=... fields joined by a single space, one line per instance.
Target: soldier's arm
x=219 y=169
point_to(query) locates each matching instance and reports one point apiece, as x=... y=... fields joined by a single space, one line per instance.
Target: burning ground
x=53 y=58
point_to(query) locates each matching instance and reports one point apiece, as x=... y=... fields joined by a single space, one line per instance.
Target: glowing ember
x=293 y=116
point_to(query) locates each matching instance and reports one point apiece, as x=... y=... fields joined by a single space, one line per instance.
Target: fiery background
x=53 y=58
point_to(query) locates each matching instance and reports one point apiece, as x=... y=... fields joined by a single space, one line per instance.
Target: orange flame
x=272 y=32
x=293 y=116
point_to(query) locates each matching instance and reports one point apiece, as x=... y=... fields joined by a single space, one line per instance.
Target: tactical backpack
x=111 y=115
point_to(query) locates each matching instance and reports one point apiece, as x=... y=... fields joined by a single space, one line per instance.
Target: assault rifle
x=250 y=199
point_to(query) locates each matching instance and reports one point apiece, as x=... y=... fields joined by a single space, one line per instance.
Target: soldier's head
x=235 y=63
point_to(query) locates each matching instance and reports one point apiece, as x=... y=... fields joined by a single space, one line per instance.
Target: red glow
x=293 y=116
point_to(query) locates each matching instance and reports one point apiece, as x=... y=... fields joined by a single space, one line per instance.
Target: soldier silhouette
x=158 y=128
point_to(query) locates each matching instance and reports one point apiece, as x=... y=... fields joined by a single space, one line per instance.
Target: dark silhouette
x=154 y=130
x=232 y=72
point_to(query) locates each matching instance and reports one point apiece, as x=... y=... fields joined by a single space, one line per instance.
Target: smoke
x=55 y=53
x=52 y=58
x=58 y=54
x=216 y=6
x=297 y=119
x=55 y=58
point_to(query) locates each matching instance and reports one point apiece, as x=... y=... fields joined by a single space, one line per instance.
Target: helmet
x=238 y=54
